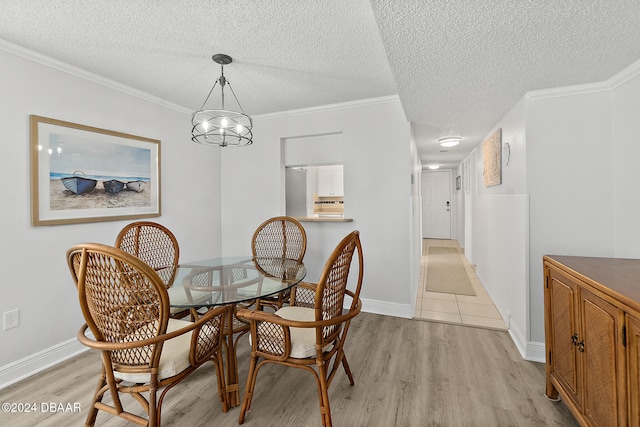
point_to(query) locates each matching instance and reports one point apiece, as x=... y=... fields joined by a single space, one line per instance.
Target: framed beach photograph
x=85 y=174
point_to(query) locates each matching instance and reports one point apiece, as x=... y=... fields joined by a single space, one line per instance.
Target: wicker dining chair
x=154 y=244
x=126 y=308
x=312 y=330
x=279 y=237
x=157 y=246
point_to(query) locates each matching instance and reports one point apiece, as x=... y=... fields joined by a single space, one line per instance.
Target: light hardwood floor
x=407 y=373
x=476 y=310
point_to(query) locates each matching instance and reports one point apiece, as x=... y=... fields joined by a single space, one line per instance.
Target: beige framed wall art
x=492 y=155
x=85 y=174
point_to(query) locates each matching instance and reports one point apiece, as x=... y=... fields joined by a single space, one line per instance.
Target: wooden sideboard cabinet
x=592 y=329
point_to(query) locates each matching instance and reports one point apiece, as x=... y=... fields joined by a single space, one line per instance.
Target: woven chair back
x=153 y=243
x=279 y=237
x=332 y=285
x=122 y=299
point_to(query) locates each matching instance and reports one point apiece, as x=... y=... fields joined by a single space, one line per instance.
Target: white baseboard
x=536 y=352
x=518 y=338
x=386 y=308
x=529 y=350
x=30 y=365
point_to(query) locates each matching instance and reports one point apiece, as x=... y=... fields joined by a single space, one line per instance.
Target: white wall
x=35 y=276
x=469 y=179
x=415 y=231
x=514 y=175
x=502 y=259
x=583 y=153
x=459 y=208
x=569 y=189
x=378 y=195
x=570 y=180
x=500 y=233
x=626 y=173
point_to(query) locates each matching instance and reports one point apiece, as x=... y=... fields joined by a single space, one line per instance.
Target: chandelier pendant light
x=222 y=127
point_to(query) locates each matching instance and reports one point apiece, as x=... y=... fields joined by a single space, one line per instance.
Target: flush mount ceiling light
x=450 y=141
x=433 y=167
x=226 y=128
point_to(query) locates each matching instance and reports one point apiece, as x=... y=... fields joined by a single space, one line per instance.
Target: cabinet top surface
x=620 y=275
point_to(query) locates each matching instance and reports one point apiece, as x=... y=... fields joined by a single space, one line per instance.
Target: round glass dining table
x=229 y=281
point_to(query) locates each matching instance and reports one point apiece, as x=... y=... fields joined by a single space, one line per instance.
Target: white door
x=436 y=204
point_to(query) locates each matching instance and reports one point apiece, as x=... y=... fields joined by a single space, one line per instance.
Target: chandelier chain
x=210 y=92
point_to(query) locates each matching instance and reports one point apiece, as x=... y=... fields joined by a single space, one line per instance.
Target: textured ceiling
x=457 y=66
x=461 y=65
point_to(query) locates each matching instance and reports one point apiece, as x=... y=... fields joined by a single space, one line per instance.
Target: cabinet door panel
x=330 y=181
x=565 y=361
x=633 y=349
x=325 y=183
x=338 y=181
x=601 y=387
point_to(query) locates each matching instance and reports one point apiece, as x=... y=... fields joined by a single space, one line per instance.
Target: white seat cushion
x=266 y=285
x=180 y=297
x=303 y=340
x=174 y=358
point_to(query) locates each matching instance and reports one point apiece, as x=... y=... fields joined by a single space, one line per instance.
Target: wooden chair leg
x=97 y=397
x=248 y=391
x=325 y=409
x=154 y=418
x=347 y=370
x=222 y=388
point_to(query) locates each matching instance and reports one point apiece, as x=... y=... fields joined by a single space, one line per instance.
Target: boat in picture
x=113 y=186
x=136 y=186
x=78 y=184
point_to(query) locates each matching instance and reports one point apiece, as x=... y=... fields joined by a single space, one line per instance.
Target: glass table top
x=229 y=280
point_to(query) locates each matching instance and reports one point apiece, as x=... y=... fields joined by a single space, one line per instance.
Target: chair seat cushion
x=303 y=340
x=266 y=285
x=182 y=299
x=173 y=360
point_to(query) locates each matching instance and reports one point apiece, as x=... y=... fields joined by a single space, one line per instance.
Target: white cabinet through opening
x=330 y=181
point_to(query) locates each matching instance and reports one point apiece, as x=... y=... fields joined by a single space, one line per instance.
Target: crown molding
x=330 y=107
x=624 y=76
x=47 y=61
x=617 y=80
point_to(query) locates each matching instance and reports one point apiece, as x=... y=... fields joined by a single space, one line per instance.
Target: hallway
x=478 y=311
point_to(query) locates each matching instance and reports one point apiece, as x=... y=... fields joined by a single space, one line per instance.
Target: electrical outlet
x=11 y=319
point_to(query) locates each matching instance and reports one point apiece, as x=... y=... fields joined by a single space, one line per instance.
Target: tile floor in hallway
x=467 y=310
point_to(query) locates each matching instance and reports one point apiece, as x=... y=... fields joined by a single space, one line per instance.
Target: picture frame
x=83 y=174
x=458 y=182
x=492 y=159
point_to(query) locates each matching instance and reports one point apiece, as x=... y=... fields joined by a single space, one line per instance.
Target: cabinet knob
x=581 y=346
x=574 y=339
